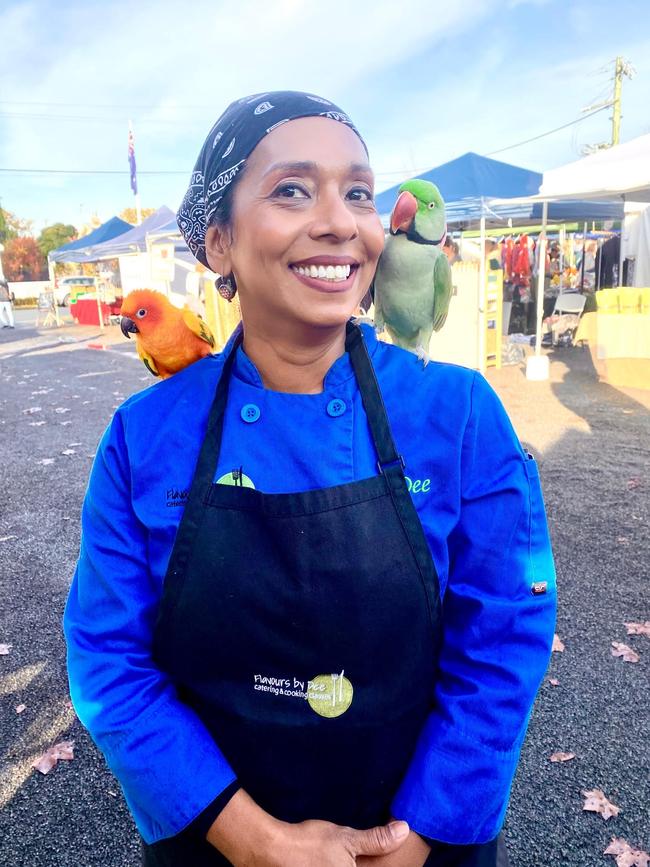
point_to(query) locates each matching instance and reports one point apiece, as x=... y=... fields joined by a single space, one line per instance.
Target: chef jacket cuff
x=456 y=790
x=200 y=826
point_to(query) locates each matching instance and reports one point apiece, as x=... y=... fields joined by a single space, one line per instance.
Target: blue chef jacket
x=477 y=495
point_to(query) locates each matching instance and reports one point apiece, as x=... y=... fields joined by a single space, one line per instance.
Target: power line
x=544 y=134
x=379 y=174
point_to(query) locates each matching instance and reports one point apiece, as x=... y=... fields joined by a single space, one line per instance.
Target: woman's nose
x=334 y=217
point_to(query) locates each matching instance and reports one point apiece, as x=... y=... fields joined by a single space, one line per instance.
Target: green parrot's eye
x=431 y=205
x=141 y=312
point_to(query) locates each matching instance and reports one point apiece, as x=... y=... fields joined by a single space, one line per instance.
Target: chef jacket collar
x=338 y=374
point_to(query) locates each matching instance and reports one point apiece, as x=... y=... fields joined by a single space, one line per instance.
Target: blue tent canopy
x=110 y=229
x=133 y=241
x=470 y=181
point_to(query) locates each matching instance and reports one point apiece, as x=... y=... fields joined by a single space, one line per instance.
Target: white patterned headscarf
x=230 y=142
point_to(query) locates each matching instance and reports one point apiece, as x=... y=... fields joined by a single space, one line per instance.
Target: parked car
x=67 y=288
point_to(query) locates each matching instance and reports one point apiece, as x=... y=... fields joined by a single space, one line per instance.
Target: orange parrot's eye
x=141 y=312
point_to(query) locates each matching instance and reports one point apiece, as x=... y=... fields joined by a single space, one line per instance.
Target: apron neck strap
x=388 y=457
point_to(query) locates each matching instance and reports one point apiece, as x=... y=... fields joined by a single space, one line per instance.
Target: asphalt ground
x=593 y=443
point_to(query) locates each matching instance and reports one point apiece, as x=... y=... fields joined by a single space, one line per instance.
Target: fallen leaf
x=622 y=539
x=596 y=802
x=558 y=644
x=46 y=462
x=5 y=648
x=31 y=410
x=622 y=650
x=63 y=751
x=562 y=757
x=36 y=423
x=68 y=452
x=625 y=855
x=633 y=483
x=61 y=409
x=73 y=444
x=554 y=681
x=65 y=422
x=20 y=708
x=638 y=628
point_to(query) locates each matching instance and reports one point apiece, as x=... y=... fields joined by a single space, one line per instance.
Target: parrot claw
x=422 y=355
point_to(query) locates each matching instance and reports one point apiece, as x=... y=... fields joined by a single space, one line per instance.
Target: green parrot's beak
x=404 y=212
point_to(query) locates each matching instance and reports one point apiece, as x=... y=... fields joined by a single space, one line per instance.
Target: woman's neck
x=295 y=363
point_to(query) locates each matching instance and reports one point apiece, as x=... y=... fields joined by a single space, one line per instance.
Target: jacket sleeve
x=496 y=642
x=167 y=763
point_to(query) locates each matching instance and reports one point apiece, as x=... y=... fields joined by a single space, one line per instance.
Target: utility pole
x=621 y=68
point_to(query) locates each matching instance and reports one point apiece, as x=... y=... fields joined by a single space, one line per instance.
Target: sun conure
x=166 y=337
x=413 y=281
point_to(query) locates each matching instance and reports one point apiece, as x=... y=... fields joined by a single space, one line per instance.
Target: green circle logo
x=330 y=695
x=237 y=479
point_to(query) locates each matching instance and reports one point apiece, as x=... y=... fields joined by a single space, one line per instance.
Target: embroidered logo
x=418 y=486
x=236 y=478
x=176 y=497
x=336 y=115
x=262 y=107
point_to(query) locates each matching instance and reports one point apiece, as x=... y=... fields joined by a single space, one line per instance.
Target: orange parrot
x=167 y=338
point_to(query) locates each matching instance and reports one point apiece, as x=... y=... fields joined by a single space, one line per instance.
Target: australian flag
x=134 y=177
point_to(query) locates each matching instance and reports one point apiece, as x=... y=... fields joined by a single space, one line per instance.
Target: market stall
x=620 y=348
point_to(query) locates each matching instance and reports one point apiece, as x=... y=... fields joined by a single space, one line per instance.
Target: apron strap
x=373 y=402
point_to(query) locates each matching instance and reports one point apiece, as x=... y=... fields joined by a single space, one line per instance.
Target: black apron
x=303 y=630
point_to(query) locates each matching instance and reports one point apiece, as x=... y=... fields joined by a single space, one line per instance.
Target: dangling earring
x=225 y=287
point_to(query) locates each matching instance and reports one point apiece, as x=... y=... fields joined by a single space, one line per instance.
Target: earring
x=225 y=288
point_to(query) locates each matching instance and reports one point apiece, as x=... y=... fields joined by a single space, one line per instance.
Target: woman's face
x=305 y=237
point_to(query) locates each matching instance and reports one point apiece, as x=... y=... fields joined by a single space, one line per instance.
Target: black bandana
x=231 y=141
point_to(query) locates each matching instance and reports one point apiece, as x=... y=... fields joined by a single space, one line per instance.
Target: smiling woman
x=266 y=661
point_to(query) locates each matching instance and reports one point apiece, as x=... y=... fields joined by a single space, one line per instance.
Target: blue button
x=250 y=413
x=336 y=407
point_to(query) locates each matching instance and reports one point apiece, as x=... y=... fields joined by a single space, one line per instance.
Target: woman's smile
x=327 y=273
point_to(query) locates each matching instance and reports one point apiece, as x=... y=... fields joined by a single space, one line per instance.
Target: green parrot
x=413 y=281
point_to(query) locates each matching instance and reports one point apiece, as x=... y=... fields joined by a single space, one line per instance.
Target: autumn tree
x=12 y=226
x=22 y=259
x=53 y=237
x=131 y=215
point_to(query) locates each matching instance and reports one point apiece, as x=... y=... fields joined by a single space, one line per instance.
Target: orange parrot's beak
x=128 y=326
x=404 y=212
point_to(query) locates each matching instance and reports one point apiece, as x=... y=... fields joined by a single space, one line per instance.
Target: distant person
x=451 y=251
x=6 y=308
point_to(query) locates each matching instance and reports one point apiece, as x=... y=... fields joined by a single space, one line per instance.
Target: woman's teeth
x=335 y=273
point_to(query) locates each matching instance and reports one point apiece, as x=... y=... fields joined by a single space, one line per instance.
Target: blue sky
x=425 y=81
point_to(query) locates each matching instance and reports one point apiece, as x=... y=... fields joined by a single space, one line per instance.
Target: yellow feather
x=198 y=326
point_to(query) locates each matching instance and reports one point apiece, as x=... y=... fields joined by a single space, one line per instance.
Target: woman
x=315 y=588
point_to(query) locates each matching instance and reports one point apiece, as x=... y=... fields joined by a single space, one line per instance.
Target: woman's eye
x=360 y=194
x=290 y=191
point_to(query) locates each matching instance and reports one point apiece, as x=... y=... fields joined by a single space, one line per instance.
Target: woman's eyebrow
x=309 y=167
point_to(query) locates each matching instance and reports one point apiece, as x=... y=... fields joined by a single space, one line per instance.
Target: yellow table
x=619 y=344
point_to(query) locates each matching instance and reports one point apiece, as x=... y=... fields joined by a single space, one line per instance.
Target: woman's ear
x=217 y=249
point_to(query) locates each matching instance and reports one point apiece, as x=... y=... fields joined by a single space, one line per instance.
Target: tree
x=12 y=226
x=131 y=215
x=22 y=260
x=53 y=237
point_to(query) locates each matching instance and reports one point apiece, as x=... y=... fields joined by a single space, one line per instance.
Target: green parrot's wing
x=442 y=290
x=198 y=326
x=146 y=359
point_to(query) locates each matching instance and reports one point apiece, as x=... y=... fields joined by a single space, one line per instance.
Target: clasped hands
x=249 y=837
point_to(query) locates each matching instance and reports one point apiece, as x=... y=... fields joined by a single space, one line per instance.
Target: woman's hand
x=249 y=837
x=412 y=853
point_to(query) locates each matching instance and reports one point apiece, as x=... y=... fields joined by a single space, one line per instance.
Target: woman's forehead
x=315 y=140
